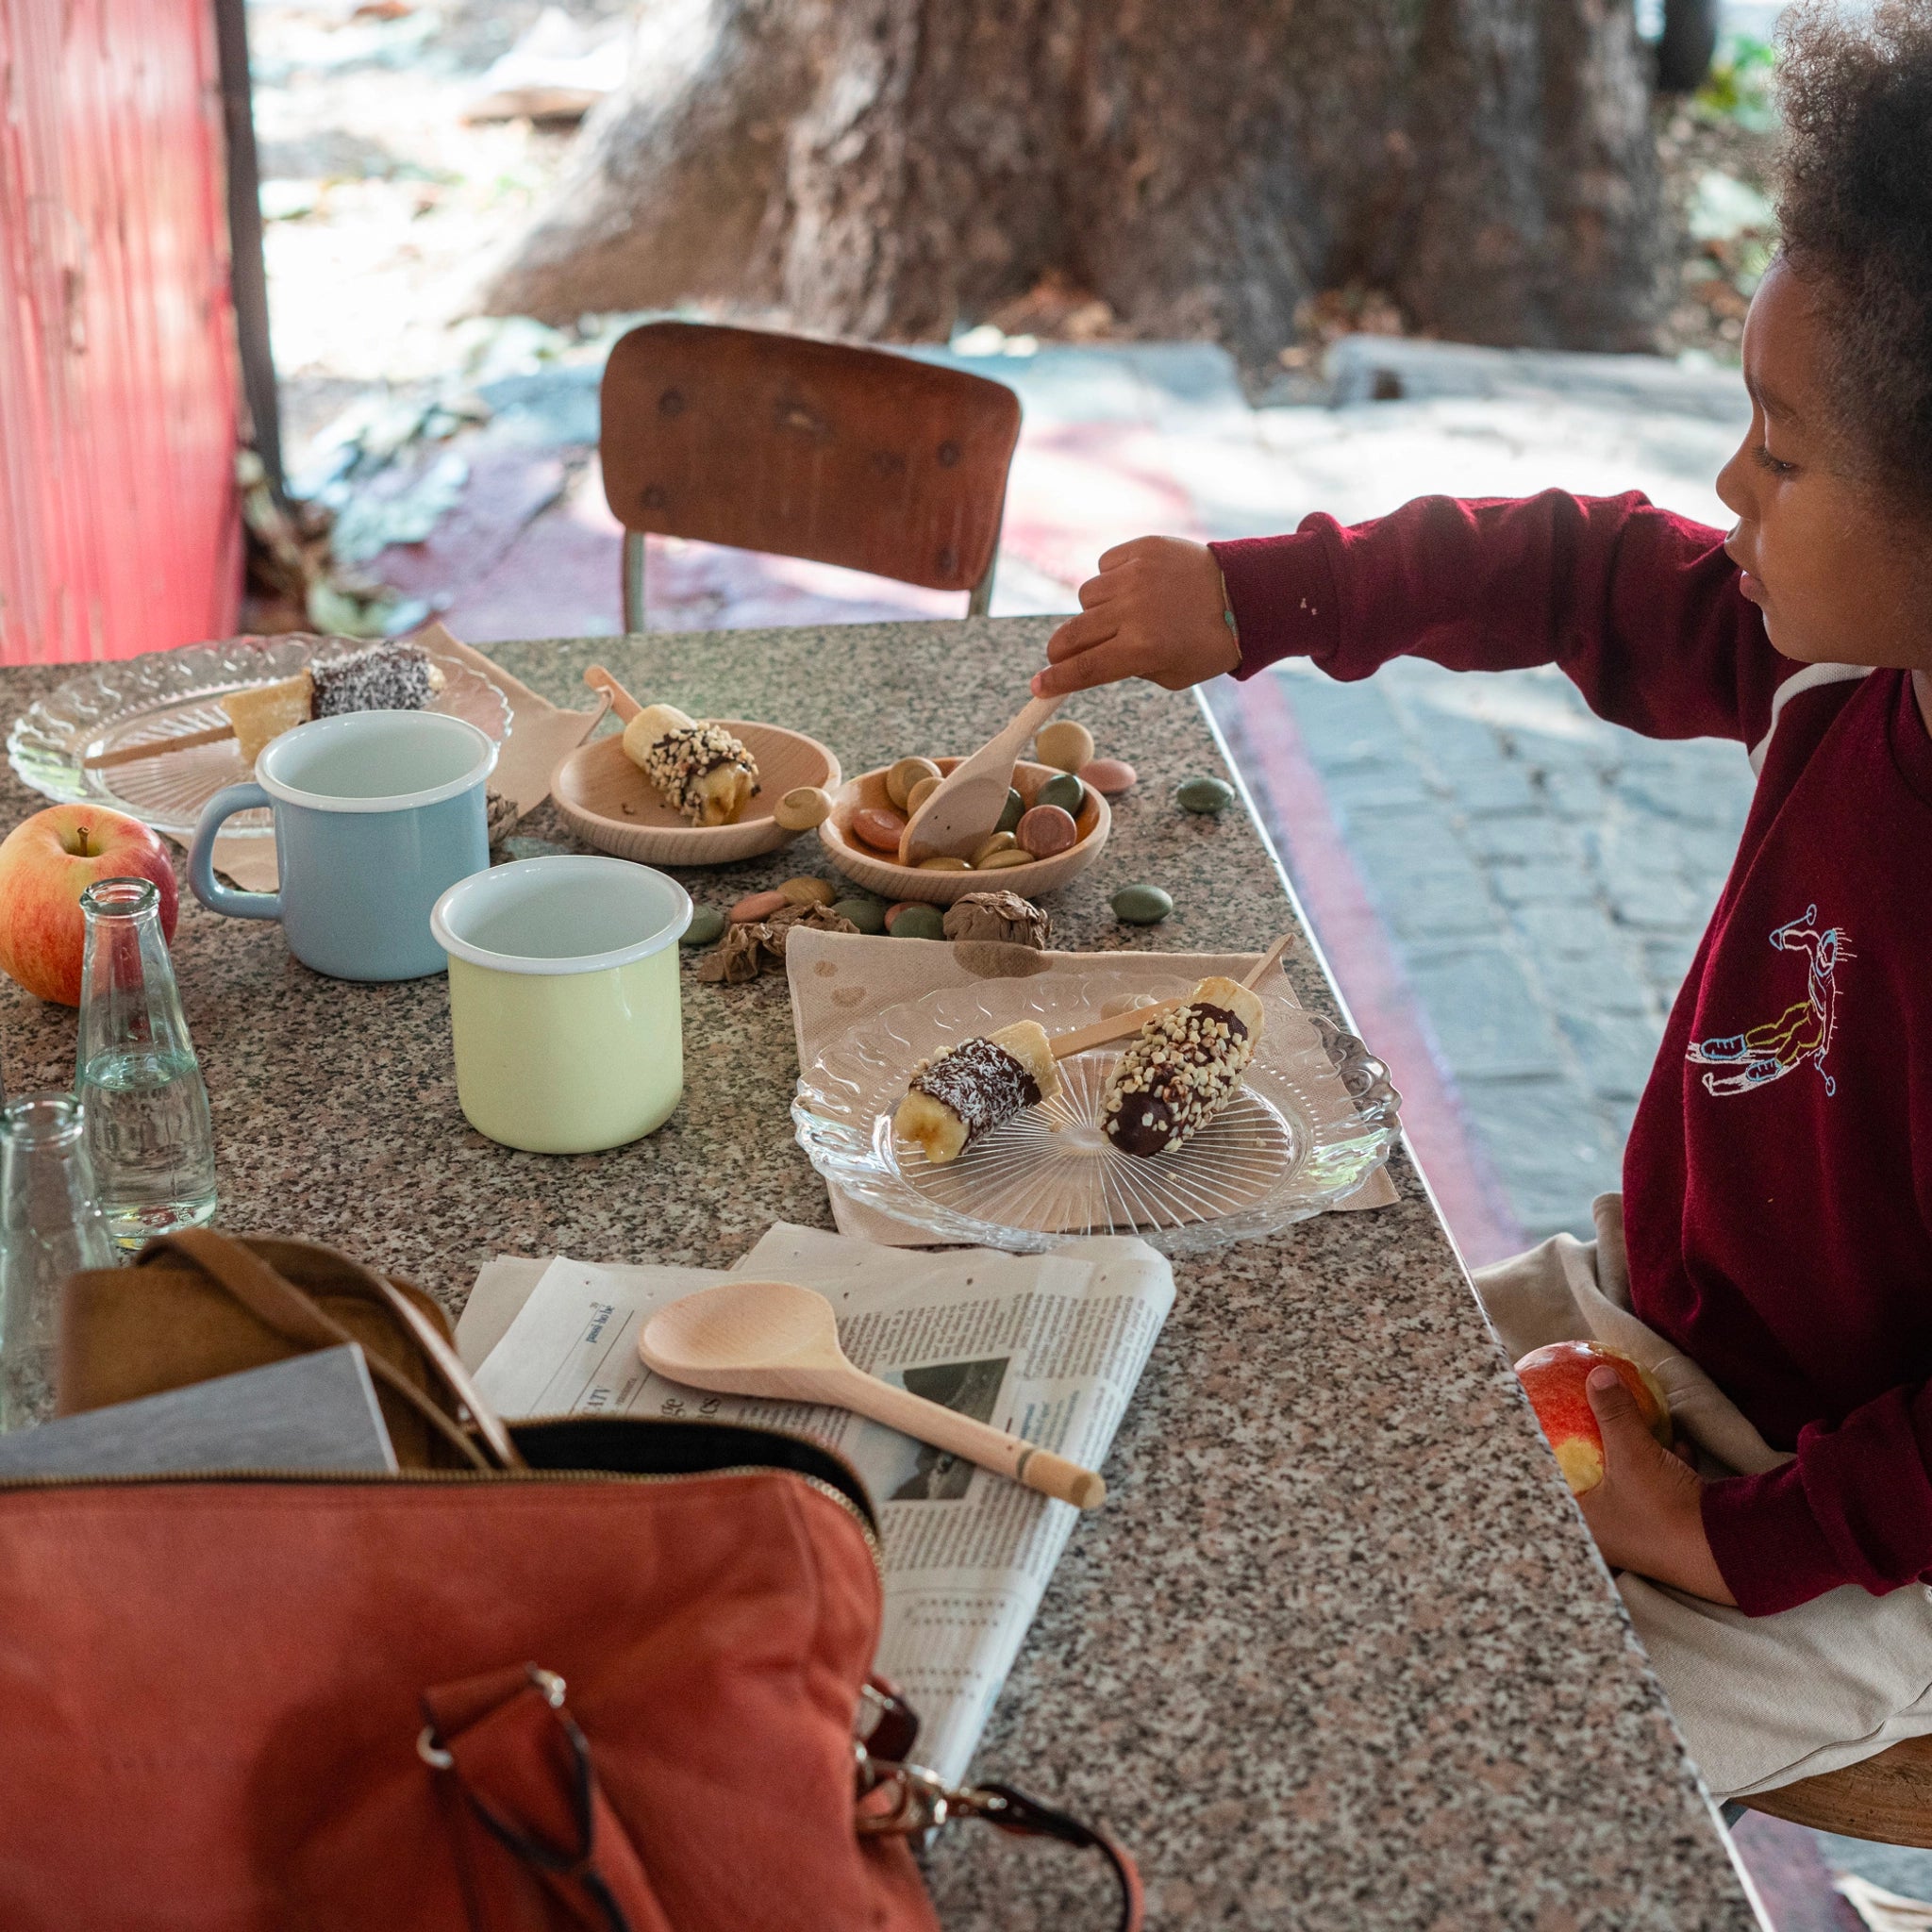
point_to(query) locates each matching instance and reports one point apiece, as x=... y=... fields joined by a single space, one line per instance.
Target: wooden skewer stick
x=621 y=702
x=1123 y=1024
x=156 y=747
x=776 y=1339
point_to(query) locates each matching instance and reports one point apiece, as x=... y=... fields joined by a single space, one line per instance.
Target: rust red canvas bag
x=612 y=1687
x=212 y=1696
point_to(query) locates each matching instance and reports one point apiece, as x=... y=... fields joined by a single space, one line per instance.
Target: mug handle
x=201 y=857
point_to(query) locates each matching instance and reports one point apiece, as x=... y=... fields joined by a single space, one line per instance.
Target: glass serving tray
x=1315 y=1118
x=167 y=694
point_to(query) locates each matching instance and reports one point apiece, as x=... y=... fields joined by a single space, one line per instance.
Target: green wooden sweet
x=1016 y=805
x=868 y=915
x=917 y=923
x=1141 y=905
x=1206 y=795
x=1064 y=791
x=707 y=922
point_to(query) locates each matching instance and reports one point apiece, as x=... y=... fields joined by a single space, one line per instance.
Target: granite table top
x=1337 y=1652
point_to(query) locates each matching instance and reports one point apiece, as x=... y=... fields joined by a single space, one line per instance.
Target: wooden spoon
x=775 y=1340
x=964 y=807
x=1080 y=1037
x=621 y=702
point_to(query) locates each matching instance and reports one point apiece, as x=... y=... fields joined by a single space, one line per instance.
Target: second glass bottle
x=137 y=1078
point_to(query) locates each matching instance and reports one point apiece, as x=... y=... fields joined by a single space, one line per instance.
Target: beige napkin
x=838 y=980
x=540 y=735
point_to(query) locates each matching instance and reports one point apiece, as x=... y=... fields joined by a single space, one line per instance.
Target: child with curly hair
x=1772 y=1258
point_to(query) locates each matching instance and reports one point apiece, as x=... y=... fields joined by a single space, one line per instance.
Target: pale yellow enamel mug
x=564 y=1000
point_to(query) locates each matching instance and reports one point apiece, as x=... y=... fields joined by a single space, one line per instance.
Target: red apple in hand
x=1554 y=1379
x=46 y=864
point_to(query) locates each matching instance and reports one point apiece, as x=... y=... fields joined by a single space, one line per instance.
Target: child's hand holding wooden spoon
x=1157 y=610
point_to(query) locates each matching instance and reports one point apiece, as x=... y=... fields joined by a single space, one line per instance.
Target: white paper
x=1046 y=1347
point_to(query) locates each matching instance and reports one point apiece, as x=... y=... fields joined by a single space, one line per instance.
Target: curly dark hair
x=1855 y=204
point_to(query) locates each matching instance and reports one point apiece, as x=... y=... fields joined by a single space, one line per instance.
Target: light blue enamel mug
x=377 y=814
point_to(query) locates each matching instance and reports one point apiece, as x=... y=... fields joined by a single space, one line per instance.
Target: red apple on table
x=1554 y=1378
x=46 y=864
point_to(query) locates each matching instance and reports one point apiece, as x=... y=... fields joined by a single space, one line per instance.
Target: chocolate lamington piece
x=385 y=677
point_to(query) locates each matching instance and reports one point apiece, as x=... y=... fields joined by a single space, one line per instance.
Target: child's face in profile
x=1838 y=567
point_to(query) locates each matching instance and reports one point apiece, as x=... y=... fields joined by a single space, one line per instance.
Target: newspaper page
x=1048 y=1347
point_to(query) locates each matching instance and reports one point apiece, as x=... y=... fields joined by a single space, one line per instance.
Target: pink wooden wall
x=119 y=531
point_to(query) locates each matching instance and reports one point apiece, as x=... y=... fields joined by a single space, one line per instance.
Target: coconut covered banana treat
x=385 y=677
x=699 y=771
x=971 y=1088
x=1181 y=1069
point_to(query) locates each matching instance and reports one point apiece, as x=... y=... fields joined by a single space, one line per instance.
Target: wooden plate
x=609 y=804
x=891 y=880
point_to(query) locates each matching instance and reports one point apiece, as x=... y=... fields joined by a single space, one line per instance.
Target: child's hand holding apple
x=1607 y=1418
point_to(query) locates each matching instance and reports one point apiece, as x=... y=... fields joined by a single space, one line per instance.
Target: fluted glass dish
x=171 y=693
x=1314 y=1119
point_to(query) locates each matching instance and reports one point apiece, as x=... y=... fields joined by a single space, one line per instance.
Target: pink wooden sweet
x=1046 y=830
x=878 y=826
x=757 y=906
x=1110 y=776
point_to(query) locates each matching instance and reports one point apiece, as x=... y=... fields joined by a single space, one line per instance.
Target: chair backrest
x=819 y=450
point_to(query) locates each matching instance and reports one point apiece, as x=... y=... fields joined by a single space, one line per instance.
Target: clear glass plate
x=169 y=693
x=1315 y=1118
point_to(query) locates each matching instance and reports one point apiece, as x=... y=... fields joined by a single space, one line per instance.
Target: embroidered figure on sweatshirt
x=1802 y=1032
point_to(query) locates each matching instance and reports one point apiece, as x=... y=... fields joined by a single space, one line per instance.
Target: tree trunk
x=892 y=168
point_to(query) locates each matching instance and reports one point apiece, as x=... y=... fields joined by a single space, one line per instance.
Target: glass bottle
x=51 y=1227
x=137 y=1077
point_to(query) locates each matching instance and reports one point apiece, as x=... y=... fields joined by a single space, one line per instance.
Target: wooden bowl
x=891 y=880
x=609 y=804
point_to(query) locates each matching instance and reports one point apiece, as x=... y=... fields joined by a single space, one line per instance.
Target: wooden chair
x=818 y=450
x=1887 y=1798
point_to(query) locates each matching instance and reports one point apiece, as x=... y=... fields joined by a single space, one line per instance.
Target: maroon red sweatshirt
x=1778 y=1186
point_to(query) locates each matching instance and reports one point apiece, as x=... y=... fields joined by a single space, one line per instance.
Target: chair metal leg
x=979 y=599
x=634 y=580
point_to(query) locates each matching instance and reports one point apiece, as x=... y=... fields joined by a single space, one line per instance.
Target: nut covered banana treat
x=974 y=1087
x=1181 y=1069
x=699 y=771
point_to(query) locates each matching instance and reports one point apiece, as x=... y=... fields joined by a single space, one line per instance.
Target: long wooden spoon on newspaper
x=775 y=1340
x=1123 y=1024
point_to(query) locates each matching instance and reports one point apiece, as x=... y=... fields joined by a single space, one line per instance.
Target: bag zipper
x=369 y=1478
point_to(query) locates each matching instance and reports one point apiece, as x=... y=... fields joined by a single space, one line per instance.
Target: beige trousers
x=1760 y=1700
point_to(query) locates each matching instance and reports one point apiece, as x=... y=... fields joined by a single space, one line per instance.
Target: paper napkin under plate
x=838 y=980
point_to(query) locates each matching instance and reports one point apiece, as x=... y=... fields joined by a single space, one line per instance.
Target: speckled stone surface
x=1337 y=1653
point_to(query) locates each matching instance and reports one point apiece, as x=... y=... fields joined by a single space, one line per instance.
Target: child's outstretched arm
x=1639 y=607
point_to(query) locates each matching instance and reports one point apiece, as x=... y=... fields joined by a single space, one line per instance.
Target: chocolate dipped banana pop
x=973 y=1088
x=699 y=770
x=1181 y=1069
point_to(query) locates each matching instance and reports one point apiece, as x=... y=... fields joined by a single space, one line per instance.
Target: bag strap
x=906 y=1800
x=507 y=1749
x=295 y=1315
